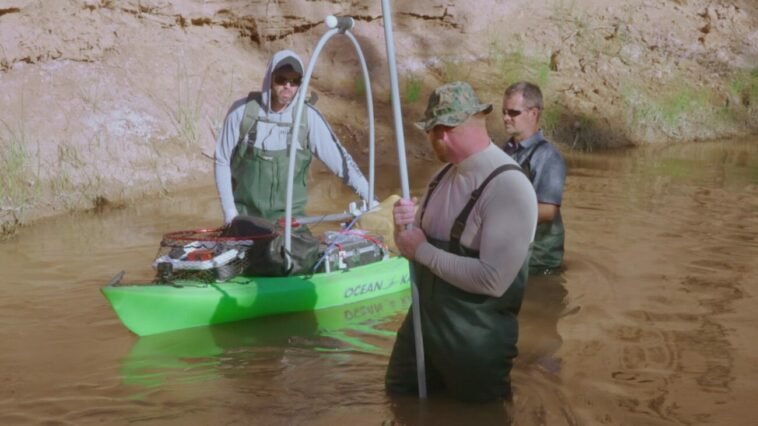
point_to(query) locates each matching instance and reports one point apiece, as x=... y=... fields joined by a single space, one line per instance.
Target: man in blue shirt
x=543 y=163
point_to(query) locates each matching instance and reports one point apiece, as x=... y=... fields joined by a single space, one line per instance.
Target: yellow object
x=379 y=220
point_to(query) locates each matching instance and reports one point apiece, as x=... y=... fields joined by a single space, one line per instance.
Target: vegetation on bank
x=19 y=186
x=669 y=110
x=661 y=111
x=589 y=105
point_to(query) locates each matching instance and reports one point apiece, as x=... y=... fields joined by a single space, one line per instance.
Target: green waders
x=259 y=182
x=469 y=339
x=259 y=177
x=547 y=250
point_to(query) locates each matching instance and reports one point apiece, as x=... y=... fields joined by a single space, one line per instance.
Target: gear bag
x=266 y=256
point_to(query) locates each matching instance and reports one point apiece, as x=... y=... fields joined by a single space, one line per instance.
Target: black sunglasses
x=282 y=80
x=513 y=113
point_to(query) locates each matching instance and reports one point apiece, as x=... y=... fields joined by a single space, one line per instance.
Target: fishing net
x=205 y=255
x=255 y=247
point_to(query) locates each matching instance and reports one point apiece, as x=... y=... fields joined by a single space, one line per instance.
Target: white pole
x=398 y=120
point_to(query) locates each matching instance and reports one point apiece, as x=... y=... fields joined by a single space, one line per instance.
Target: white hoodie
x=322 y=140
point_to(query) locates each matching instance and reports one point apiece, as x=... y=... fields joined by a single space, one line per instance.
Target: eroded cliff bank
x=105 y=101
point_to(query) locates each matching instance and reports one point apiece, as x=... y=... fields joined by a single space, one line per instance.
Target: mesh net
x=217 y=255
x=205 y=255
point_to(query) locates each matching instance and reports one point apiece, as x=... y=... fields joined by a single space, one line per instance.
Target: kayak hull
x=148 y=309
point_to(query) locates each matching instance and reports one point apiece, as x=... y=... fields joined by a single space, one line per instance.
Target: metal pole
x=402 y=164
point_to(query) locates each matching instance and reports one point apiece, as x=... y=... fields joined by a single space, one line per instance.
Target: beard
x=285 y=98
x=440 y=150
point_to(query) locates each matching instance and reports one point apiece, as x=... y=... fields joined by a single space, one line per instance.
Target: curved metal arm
x=341 y=25
x=370 y=110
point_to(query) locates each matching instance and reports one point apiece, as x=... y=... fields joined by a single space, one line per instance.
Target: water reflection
x=544 y=304
x=206 y=353
x=443 y=411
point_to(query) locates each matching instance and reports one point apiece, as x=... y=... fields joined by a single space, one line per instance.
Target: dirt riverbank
x=103 y=102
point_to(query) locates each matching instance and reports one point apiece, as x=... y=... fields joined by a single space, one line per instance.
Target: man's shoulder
x=510 y=171
x=547 y=144
x=496 y=157
x=314 y=112
x=548 y=151
x=238 y=106
x=509 y=187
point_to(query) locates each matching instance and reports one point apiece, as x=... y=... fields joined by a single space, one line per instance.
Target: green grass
x=68 y=155
x=511 y=64
x=450 y=69
x=667 y=109
x=17 y=183
x=13 y=159
x=567 y=16
x=586 y=136
x=683 y=101
x=744 y=86
x=550 y=118
x=359 y=87
x=412 y=87
x=187 y=112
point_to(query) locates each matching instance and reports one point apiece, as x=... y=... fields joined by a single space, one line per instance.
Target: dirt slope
x=104 y=101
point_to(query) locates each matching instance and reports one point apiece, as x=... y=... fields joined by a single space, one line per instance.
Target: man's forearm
x=546 y=212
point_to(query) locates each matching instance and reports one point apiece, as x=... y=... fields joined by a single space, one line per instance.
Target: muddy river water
x=653 y=322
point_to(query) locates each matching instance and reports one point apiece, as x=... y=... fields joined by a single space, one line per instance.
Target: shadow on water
x=544 y=304
x=537 y=371
x=207 y=353
x=441 y=411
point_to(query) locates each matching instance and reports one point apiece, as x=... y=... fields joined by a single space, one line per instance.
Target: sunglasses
x=513 y=113
x=282 y=80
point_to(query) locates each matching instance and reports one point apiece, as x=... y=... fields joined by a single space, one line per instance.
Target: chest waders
x=547 y=250
x=469 y=339
x=259 y=176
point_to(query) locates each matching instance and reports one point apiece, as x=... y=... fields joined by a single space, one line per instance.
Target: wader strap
x=432 y=186
x=249 y=123
x=460 y=222
x=527 y=163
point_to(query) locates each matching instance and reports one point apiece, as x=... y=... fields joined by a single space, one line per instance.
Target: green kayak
x=148 y=309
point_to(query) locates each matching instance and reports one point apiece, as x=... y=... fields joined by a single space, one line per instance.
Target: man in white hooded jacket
x=252 y=150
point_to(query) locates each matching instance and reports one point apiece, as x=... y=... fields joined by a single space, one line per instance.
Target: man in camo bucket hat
x=468 y=244
x=450 y=105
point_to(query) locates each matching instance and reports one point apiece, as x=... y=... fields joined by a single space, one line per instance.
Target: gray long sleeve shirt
x=501 y=225
x=270 y=136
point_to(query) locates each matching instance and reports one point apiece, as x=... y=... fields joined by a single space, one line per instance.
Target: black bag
x=266 y=256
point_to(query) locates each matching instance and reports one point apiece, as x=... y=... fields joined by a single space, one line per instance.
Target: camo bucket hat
x=451 y=105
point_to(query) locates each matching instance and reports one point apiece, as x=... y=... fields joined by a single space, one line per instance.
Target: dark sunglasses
x=282 y=80
x=513 y=113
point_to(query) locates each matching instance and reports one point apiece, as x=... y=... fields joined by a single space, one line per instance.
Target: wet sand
x=652 y=322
